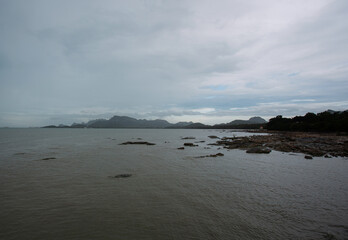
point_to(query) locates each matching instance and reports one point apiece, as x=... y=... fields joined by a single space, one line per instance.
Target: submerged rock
x=123 y=175
x=20 y=153
x=259 y=150
x=141 y=143
x=212 y=155
x=190 y=145
x=188 y=138
x=49 y=158
x=181 y=148
x=308 y=157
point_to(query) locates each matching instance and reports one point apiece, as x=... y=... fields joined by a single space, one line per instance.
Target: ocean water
x=171 y=193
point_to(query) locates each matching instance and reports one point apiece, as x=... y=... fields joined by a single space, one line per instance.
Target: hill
x=128 y=122
x=252 y=123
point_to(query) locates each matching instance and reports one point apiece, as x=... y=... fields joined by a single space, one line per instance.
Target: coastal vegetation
x=328 y=121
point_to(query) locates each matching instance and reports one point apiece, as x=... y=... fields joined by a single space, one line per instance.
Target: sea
x=61 y=184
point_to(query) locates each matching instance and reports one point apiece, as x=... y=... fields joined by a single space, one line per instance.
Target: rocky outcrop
x=307 y=143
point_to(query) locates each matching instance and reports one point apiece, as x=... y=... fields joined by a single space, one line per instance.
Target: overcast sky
x=207 y=61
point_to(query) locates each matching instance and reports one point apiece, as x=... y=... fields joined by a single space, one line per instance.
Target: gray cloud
x=73 y=60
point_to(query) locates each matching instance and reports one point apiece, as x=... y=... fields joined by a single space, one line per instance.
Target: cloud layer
x=68 y=61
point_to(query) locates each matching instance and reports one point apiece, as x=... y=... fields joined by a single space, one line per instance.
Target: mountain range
x=128 y=122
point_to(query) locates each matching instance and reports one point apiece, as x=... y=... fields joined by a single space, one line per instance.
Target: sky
x=204 y=61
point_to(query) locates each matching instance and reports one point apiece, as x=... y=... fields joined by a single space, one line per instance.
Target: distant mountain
x=254 y=122
x=197 y=126
x=59 y=126
x=180 y=125
x=128 y=122
x=328 y=121
x=78 y=125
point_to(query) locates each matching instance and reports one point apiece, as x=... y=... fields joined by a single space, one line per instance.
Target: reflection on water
x=170 y=194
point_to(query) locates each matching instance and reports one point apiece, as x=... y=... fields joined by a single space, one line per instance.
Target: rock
x=49 y=158
x=308 y=157
x=259 y=150
x=314 y=152
x=123 y=175
x=213 y=137
x=212 y=155
x=190 y=145
x=313 y=144
x=327 y=156
x=181 y=148
x=188 y=138
x=142 y=143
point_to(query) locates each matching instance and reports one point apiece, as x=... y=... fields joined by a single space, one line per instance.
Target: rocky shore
x=312 y=144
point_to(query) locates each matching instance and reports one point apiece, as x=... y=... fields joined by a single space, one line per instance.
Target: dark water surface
x=170 y=195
